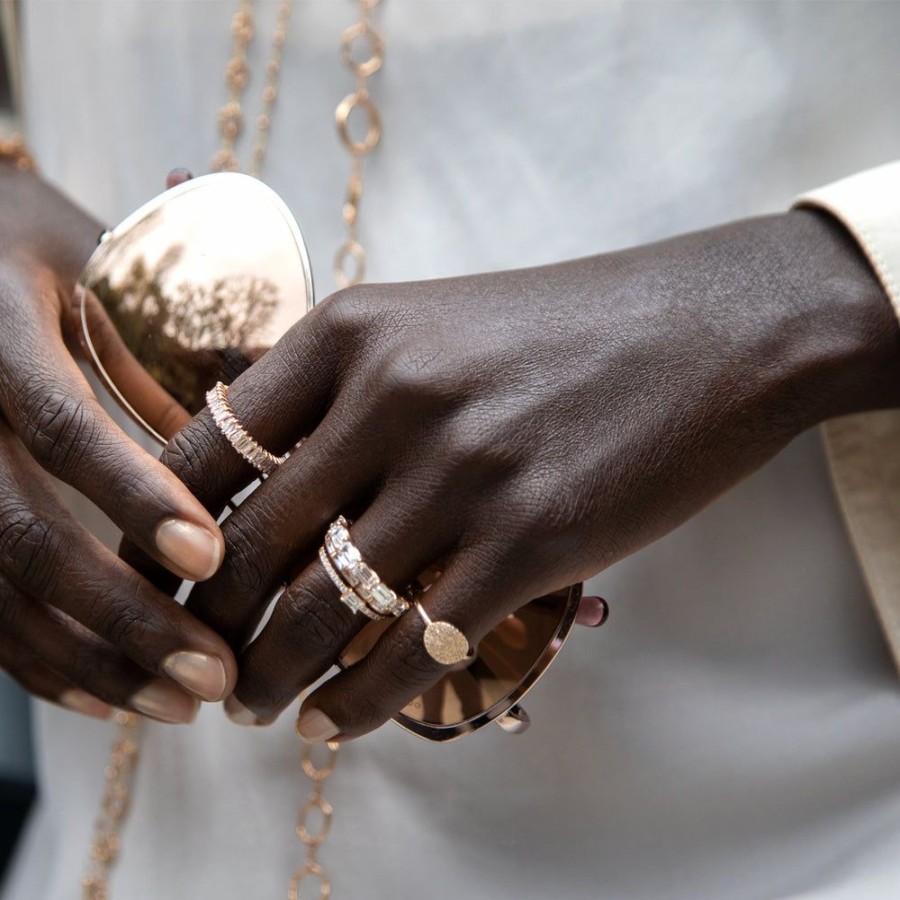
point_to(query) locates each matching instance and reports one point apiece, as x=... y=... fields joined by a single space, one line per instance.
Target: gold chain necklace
x=125 y=751
x=237 y=75
x=119 y=774
x=360 y=99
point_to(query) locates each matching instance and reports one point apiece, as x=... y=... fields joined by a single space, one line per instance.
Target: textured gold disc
x=445 y=643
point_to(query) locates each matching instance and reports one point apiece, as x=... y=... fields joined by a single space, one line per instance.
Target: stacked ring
x=362 y=590
x=349 y=597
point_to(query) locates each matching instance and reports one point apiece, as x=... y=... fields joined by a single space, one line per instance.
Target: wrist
x=44 y=226
x=849 y=359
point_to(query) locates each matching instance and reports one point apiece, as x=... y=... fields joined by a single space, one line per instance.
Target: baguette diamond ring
x=360 y=579
x=238 y=436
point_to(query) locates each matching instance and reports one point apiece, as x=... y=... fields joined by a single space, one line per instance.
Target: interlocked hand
x=520 y=431
x=77 y=625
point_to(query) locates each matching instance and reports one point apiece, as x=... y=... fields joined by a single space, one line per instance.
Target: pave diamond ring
x=361 y=587
x=236 y=435
x=444 y=642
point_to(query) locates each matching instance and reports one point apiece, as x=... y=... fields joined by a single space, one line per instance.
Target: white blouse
x=734 y=731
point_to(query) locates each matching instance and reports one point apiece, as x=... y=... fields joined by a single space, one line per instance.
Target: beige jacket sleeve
x=864 y=450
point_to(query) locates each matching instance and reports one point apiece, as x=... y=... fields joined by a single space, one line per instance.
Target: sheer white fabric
x=735 y=729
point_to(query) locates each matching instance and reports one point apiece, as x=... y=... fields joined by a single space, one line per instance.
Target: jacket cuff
x=868 y=205
x=864 y=450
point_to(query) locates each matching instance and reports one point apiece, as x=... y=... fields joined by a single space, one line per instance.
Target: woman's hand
x=522 y=430
x=77 y=625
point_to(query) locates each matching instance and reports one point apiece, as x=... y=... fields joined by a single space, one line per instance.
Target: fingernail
x=178 y=176
x=238 y=713
x=86 y=704
x=201 y=674
x=315 y=727
x=598 y=613
x=166 y=703
x=191 y=548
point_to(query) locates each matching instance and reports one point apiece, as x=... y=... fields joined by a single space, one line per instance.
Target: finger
x=592 y=612
x=46 y=553
x=277 y=530
x=277 y=405
x=398 y=669
x=178 y=176
x=42 y=682
x=49 y=404
x=310 y=626
x=279 y=400
x=89 y=666
x=143 y=393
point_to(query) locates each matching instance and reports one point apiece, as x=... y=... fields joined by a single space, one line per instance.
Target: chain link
x=350 y=259
x=119 y=774
x=313 y=838
x=231 y=119
x=350 y=249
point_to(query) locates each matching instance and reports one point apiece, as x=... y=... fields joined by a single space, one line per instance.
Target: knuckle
x=58 y=429
x=248 y=563
x=473 y=449
x=191 y=456
x=119 y=620
x=362 y=712
x=415 y=667
x=540 y=510
x=321 y=627
x=361 y=310
x=412 y=375
x=29 y=552
x=344 y=315
x=134 y=487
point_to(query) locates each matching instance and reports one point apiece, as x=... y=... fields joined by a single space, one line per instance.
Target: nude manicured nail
x=201 y=674
x=86 y=704
x=315 y=727
x=191 y=548
x=166 y=703
x=239 y=714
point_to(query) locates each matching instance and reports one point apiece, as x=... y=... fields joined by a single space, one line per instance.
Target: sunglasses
x=191 y=289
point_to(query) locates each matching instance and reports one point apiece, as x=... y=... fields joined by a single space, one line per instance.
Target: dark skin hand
x=525 y=430
x=77 y=625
